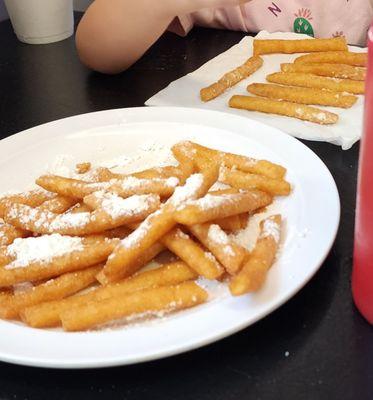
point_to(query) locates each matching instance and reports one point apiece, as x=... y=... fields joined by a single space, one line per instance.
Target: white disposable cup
x=41 y=21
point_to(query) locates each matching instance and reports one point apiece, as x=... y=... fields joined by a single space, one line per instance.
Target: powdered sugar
x=219 y=186
x=133 y=239
x=41 y=249
x=99 y=185
x=188 y=149
x=145 y=319
x=62 y=166
x=27 y=214
x=216 y=290
x=149 y=155
x=321 y=116
x=271 y=228
x=299 y=111
x=116 y=206
x=212 y=258
x=29 y=194
x=132 y=183
x=8 y=193
x=247 y=237
x=188 y=191
x=218 y=236
x=71 y=220
x=210 y=201
x=47 y=219
x=22 y=287
x=180 y=234
x=172 y=181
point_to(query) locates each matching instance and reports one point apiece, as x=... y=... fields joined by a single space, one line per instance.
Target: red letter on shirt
x=275 y=9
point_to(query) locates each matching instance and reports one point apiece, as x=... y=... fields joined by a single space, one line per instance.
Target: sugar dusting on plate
x=271 y=228
x=247 y=237
x=149 y=155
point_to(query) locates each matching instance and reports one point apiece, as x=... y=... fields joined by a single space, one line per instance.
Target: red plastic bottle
x=362 y=275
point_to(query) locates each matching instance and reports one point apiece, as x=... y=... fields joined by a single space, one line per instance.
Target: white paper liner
x=185 y=92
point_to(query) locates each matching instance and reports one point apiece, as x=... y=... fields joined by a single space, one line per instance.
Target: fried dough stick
x=165 y=298
x=298 y=46
x=48 y=314
x=335 y=57
x=332 y=70
x=90 y=251
x=302 y=95
x=285 y=108
x=63 y=286
x=231 y=78
x=253 y=273
x=319 y=82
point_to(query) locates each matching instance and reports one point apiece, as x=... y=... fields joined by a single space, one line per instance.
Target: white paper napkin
x=185 y=92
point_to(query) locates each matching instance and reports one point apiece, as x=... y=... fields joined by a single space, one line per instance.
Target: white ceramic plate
x=311 y=213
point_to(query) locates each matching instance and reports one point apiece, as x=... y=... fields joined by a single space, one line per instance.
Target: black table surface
x=329 y=346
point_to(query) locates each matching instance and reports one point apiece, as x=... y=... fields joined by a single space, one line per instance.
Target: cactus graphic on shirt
x=302 y=22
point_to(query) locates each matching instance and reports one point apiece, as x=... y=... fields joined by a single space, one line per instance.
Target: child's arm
x=113 y=34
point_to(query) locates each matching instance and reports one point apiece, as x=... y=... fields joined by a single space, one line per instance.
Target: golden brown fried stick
x=79 y=208
x=83 y=253
x=125 y=187
x=33 y=198
x=48 y=314
x=298 y=46
x=8 y=233
x=332 y=70
x=229 y=224
x=58 y=204
x=191 y=252
x=247 y=181
x=231 y=78
x=253 y=273
x=58 y=288
x=226 y=251
x=263 y=167
x=169 y=171
x=319 y=82
x=285 y=108
x=135 y=265
x=335 y=57
x=301 y=95
x=165 y=298
x=209 y=208
x=115 y=212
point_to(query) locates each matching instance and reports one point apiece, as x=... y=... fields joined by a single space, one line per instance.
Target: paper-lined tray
x=185 y=92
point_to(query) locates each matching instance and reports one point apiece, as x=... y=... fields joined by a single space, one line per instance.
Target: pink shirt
x=318 y=18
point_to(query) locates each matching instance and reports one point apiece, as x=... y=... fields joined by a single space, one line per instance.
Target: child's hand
x=187 y=6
